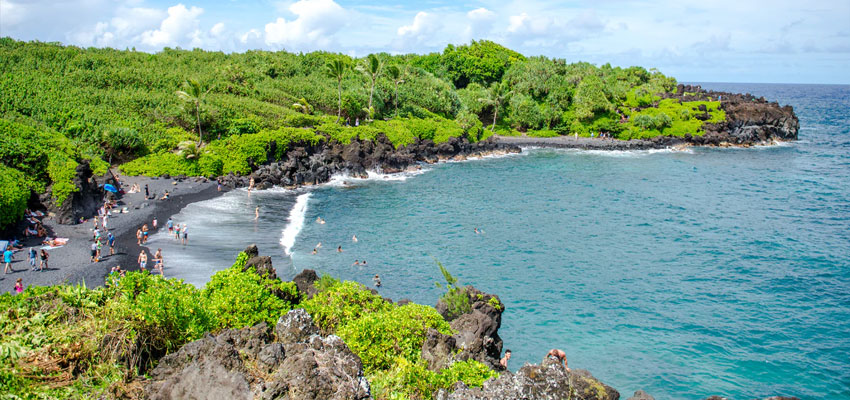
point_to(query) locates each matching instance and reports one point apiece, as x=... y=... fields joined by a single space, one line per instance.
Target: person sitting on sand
x=504 y=361
x=559 y=356
x=164 y=196
x=19 y=286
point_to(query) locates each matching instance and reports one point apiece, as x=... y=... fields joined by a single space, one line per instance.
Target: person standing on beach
x=145 y=233
x=185 y=234
x=139 y=237
x=147 y=193
x=157 y=261
x=143 y=260
x=111 y=240
x=7 y=258
x=177 y=231
x=93 y=252
x=44 y=258
x=154 y=223
x=33 y=256
x=170 y=225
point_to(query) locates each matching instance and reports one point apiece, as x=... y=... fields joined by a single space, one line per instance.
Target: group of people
x=376 y=279
x=157 y=261
x=180 y=232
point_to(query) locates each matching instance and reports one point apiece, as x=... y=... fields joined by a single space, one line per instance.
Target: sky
x=776 y=41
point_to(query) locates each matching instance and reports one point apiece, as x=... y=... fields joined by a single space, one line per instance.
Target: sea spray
x=295 y=223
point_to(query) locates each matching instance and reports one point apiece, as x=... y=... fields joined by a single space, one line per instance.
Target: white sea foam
x=620 y=153
x=296 y=222
x=341 y=180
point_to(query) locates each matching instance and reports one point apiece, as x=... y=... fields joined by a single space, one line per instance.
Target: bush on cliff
x=237 y=299
x=342 y=303
x=14 y=193
x=380 y=338
x=413 y=380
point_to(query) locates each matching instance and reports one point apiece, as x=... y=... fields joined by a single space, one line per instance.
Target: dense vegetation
x=74 y=342
x=210 y=113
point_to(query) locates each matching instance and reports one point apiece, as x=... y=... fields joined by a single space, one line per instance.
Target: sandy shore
x=71 y=263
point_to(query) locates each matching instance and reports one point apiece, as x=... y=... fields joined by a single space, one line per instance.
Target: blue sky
x=715 y=41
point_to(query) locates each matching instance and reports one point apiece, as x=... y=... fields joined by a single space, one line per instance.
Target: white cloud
x=420 y=32
x=180 y=24
x=11 y=14
x=480 y=22
x=217 y=29
x=314 y=26
x=538 y=31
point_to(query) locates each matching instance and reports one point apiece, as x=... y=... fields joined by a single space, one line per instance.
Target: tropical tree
x=495 y=97
x=194 y=94
x=396 y=75
x=336 y=69
x=372 y=70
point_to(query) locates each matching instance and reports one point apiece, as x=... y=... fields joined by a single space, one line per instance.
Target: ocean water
x=686 y=274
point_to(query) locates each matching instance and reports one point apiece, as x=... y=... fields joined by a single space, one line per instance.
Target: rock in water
x=247 y=364
x=547 y=381
x=641 y=395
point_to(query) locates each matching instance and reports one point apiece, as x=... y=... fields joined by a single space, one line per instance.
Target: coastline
x=70 y=264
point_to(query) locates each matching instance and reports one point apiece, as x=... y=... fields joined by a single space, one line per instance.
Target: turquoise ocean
x=683 y=273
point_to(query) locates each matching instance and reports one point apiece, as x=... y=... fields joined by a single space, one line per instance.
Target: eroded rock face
x=477 y=336
x=546 y=381
x=304 y=282
x=84 y=202
x=249 y=364
x=314 y=164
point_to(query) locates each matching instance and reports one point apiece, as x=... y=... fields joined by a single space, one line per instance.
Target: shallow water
x=710 y=271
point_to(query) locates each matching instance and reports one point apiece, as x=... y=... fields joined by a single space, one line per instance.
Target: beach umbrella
x=110 y=188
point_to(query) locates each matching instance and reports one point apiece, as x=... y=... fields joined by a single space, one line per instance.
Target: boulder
x=477 y=336
x=262 y=265
x=247 y=364
x=295 y=326
x=641 y=395
x=546 y=381
x=305 y=282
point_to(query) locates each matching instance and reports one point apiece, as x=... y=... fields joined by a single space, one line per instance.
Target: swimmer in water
x=319 y=245
x=356 y=262
x=354 y=238
x=315 y=251
x=339 y=249
x=476 y=230
x=257 y=213
x=377 y=280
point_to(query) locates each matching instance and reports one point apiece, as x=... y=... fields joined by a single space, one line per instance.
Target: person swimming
x=315 y=251
x=339 y=249
x=354 y=238
x=377 y=280
x=356 y=262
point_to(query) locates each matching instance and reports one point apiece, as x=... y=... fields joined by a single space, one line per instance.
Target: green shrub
x=379 y=337
x=412 y=380
x=62 y=172
x=238 y=299
x=455 y=297
x=14 y=194
x=342 y=303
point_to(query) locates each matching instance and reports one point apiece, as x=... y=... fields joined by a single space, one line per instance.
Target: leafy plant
x=455 y=298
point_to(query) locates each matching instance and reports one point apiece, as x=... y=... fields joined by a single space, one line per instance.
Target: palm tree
x=395 y=74
x=495 y=97
x=194 y=94
x=336 y=69
x=371 y=69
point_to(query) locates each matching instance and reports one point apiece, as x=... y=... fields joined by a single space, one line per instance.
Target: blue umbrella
x=110 y=188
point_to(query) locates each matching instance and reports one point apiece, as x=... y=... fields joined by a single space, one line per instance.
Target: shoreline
x=70 y=264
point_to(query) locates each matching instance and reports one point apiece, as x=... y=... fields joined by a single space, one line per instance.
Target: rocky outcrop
x=305 y=281
x=251 y=364
x=749 y=120
x=545 y=381
x=477 y=336
x=80 y=204
x=315 y=163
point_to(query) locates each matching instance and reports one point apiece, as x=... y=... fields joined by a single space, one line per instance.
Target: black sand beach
x=70 y=263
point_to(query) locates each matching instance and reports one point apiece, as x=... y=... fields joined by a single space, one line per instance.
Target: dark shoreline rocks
x=316 y=164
